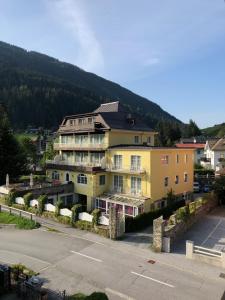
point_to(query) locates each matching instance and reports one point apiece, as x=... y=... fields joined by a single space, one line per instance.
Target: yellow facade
x=151 y=174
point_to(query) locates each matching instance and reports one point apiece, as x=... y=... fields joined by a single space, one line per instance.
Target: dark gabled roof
x=122 y=120
x=111 y=116
x=110 y=107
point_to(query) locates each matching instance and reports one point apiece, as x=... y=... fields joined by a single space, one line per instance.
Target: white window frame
x=81 y=179
x=135 y=184
x=135 y=162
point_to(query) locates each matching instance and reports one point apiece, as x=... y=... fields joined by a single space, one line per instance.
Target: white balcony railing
x=76 y=164
x=65 y=146
x=125 y=169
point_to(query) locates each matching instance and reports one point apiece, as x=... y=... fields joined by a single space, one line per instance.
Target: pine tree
x=12 y=159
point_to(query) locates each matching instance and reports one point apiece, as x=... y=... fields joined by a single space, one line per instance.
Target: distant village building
x=214 y=154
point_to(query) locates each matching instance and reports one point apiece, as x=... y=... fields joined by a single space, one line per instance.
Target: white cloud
x=71 y=15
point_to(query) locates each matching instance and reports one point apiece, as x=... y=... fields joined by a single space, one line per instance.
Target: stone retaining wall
x=164 y=234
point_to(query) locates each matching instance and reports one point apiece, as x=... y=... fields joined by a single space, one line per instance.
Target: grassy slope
x=216 y=130
x=21 y=223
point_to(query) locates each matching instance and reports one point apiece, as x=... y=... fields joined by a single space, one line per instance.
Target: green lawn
x=21 y=222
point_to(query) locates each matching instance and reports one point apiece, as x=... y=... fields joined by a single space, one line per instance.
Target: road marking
x=87 y=256
x=155 y=280
x=211 y=233
x=123 y=296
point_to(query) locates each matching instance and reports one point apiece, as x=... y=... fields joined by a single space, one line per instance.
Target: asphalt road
x=80 y=262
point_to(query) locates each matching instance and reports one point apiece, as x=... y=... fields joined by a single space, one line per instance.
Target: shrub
x=10 y=199
x=97 y=296
x=64 y=219
x=76 y=209
x=58 y=206
x=83 y=225
x=19 y=206
x=41 y=203
x=192 y=207
x=183 y=213
x=21 y=269
x=96 y=215
x=146 y=219
x=27 y=198
x=198 y=202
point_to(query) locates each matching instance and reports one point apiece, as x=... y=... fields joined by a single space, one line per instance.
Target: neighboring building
x=110 y=157
x=198 y=150
x=214 y=154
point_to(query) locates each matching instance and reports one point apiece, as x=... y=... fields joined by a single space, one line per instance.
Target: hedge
x=41 y=203
x=76 y=209
x=146 y=219
x=27 y=198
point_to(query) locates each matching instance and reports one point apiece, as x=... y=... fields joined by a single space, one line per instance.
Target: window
x=82 y=178
x=176 y=179
x=67 y=177
x=118 y=183
x=129 y=210
x=100 y=204
x=166 y=181
x=149 y=140
x=165 y=159
x=185 y=158
x=71 y=122
x=135 y=185
x=177 y=158
x=136 y=139
x=96 y=158
x=90 y=120
x=135 y=163
x=81 y=139
x=81 y=157
x=117 y=162
x=55 y=175
x=185 y=177
x=102 y=180
x=81 y=121
x=97 y=139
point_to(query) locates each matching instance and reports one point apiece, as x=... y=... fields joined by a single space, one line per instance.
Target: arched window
x=67 y=177
x=55 y=175
x=82 y=178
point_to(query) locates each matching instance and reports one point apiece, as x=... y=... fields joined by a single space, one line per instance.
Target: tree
x=50 y=153
x=219 y=189
x=192 y=129
x=12 y=158
x=168 y=133
x=29 y=149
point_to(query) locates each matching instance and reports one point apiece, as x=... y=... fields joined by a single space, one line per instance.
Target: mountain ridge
x=29 y=78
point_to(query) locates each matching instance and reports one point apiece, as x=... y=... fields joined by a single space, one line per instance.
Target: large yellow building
x=110 y=157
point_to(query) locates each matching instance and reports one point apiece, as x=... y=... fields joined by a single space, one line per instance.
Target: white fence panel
x=103 y=220
x=65 y=212
x=33 y=202
x=85 y=217
x=50 y=207
x=19 y=200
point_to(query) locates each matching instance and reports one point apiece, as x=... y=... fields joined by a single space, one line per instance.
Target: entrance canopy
x=128 y=205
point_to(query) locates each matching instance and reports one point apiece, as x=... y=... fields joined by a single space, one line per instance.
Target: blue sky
x=172 y=52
